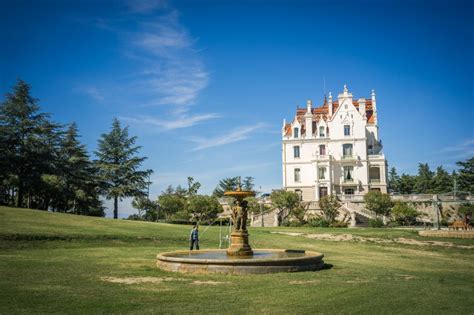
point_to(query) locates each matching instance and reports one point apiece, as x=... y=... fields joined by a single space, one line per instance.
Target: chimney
x=374 y=106
x=330 y=104
x=361 y=102
x=309 y=119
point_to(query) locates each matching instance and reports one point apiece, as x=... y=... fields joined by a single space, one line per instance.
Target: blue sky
x=205 y=85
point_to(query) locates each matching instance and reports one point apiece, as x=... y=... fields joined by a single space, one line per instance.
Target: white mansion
x=334 y=149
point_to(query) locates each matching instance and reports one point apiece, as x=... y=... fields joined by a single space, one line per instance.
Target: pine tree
x=226 y=184
x=406 y=184
x=118 y=166
x=248 y=184
x=442 y=181
x=393 y=180
x=29 y=143
x=466 y=175
x=424 y=179
x=79 y=192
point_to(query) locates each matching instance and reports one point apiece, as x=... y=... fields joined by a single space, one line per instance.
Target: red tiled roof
x=323 y=111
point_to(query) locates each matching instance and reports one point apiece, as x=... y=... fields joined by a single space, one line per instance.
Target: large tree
x=203 y=208
x=28 y=142
x=393 y=180
x=378 y=202
x=285 y=202
x=442 y=181
x=119 y=165
x=424 y=179
x=465 y=177
x=406 y=184
x=229 y=183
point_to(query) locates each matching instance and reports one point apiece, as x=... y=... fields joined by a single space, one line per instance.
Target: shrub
x=330 y=207
x=338 y=224
x=377 y=202
x=404 y=214
x=375 y=223
x=318 y=222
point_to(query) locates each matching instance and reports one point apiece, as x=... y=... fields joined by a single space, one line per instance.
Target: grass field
x=59 y=263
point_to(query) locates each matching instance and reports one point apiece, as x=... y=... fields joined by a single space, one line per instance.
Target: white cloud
x=145 y=6
x=467 y=145
x=183 y=121
x=92 y=92
x=238 y=134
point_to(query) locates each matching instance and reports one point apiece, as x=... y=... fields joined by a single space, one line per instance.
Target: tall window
x=322 y=149
x=347 y=150
x=374 y=174
x=347 y=130
x=349 y=191
x=300 y=193
x=296 y=151
x=322 y=173
x=295 y=132
x=297 y=175
x=323 y=191
x=348 y=173
x=321 y=131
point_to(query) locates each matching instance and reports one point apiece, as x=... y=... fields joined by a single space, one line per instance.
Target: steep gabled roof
x=322 y=112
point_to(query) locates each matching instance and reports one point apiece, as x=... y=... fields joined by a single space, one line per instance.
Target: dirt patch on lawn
x=197 y=282
x=304 y=282
x=137 y=280
x=157 y=280
x=350 y=237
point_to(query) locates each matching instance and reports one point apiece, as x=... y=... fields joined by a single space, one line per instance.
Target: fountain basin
x=262 y=261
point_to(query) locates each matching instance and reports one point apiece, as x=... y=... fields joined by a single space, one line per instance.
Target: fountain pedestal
x=239 y=244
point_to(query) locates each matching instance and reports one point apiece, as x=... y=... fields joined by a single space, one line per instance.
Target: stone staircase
x=269 y=219
x=359 y=215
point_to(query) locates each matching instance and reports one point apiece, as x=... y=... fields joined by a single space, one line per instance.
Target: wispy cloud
x=172 y=123
x=173 y=73
x=92 y=92
x=168 y=70
x=463 y=146
x=145 y=6
x=237 y=134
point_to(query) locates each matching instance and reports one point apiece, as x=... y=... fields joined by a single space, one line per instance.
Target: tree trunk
x=115 y=207
x=19 y=195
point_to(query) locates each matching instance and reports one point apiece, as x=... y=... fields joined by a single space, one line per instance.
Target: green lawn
x=59 y=263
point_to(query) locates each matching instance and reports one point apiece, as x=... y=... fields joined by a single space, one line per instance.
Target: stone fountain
x=239 y=258
x=239 y=238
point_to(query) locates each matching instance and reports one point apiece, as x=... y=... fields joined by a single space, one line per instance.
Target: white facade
x=334 y=149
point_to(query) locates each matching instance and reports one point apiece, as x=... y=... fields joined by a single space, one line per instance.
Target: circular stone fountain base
x=262 y=261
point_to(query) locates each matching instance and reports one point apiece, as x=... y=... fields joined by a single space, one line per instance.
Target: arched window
x=296 y=132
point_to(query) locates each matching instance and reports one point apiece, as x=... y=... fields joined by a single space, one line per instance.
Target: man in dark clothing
x=194 y=237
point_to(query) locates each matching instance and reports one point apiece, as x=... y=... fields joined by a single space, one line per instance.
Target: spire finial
x=345 y=88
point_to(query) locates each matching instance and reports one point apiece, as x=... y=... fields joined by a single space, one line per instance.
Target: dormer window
x=296 y=131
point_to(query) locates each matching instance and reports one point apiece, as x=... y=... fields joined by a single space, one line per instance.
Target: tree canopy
x=118 y=165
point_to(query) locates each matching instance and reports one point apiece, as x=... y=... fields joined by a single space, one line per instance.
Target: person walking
x=194 y=237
